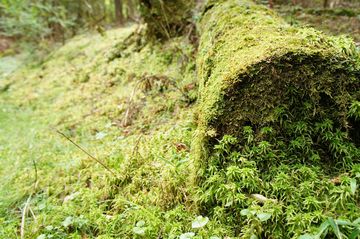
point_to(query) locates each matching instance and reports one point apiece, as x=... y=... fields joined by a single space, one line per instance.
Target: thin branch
x=36 y=175
x=136 y=147
x=86 y=152
x=125 y=121
x=32 y=213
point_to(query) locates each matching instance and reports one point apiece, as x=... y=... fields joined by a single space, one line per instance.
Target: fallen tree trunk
x=251 y=62
x=273 y=98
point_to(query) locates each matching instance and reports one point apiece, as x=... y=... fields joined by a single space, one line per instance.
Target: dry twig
x=25 y=211
x=86 y=152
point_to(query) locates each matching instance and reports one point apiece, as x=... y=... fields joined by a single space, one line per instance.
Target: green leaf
x=306 y=236
x=357 y=221
x=341 y=222
x=140 y=223
x=264 y=216
x=253 y=236
x=244 y=212
x=67 y=222
x=335 y=228
x=42 y=236
x=199 y=222
x=49 y=228
x=187 y=235
x=355 y=234
x=100 y=135
x=229 y=203
x=353 y=186
x=214 y=237
x=139 y=231
x=323 y=227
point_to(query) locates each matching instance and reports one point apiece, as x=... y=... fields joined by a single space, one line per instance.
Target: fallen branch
x=86 y=152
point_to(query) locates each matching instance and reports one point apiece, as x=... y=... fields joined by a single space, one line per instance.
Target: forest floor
x=333 y=22
x=130 y=107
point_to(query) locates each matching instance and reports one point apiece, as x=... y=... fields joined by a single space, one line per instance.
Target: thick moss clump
x=251 y=63
x=166 y=19
x=276 y=101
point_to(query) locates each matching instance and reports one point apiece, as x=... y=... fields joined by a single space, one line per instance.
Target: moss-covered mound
x=132 y=113
x=278 y=121
x=251 y=64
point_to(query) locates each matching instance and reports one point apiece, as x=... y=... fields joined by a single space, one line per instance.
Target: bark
x=326 y=3
x=131 y=11
x=119 y=17
x=271 y=3
x=166 y=19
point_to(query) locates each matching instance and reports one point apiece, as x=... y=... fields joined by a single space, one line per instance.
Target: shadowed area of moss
x=233 y=45
x=249 y=59
x=276 y=101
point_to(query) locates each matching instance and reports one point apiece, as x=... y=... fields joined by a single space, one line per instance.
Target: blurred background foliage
x=36 y=20
x=44 y=21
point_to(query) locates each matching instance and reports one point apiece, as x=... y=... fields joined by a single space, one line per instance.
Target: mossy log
x=166 y=19
x=252 y=65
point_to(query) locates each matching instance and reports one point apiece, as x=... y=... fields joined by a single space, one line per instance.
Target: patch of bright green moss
x=78 y=91
x=274 y=98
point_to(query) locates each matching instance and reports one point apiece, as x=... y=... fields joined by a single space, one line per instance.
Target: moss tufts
x=251 y=62
x=274 y=100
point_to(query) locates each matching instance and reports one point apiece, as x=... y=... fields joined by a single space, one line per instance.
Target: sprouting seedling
x=86 y=152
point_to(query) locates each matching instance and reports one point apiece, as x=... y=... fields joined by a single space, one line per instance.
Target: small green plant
x=355 y=110
x=187 y=235
x=199 y=222
x=140 y=228
x=341 y=229
x=265 y=178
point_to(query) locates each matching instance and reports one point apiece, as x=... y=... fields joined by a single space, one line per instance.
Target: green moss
x=86 y=88
x=274 y=101
x=79 y=92
x=249 y=60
